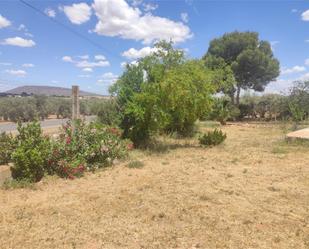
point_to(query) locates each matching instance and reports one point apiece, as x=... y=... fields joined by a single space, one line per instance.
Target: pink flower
x=130 y=146
x=68 y=140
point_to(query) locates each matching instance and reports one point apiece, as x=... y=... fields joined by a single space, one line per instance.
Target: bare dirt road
x=251 y=192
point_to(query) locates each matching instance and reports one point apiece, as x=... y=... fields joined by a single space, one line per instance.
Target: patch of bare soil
x=250 y=192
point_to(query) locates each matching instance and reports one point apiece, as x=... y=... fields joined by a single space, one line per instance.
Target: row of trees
x=40 y=107
x=166 y=92
x=292 y=106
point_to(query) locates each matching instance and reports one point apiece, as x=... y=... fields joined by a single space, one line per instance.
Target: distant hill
x=48 y=91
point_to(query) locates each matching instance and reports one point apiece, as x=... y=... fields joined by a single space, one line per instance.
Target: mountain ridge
x=48 y=91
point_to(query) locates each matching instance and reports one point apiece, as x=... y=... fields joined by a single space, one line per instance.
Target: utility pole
x=75 y=103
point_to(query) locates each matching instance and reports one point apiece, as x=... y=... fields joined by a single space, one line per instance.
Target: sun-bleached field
x=250 y=192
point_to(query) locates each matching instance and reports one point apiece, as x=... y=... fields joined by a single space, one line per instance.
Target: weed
x=17 y=184
x=135 y=165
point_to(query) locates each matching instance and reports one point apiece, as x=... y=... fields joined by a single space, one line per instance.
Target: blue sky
x=37 y=49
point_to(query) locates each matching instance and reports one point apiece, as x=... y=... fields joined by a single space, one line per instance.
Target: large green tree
x=250 y=59
x=162 y=92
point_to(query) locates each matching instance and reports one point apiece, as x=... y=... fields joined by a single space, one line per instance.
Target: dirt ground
x=250 y=192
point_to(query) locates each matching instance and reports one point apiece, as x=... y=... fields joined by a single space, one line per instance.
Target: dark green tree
x=251 y=60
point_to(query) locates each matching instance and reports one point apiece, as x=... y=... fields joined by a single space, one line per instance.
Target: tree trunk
x=237 y=95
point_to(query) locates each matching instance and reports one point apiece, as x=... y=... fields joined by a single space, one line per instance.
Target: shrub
x=85 y=147
x=31 y=154
x=7 y=145
x=109 y=113
x=212 y=138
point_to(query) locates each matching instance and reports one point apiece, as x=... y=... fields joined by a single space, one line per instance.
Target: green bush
x=164 y=92
x=7 y=145
x=109 y=113
x=31 y=154
x=212 y=138
x=85 y=147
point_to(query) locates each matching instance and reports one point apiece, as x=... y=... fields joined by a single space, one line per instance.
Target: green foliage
x=162 y=92
x=39 y=107
x=7 y=146
x=250 y=59
x=212 y=138
x=298 y=101
x=221 y=111
x=85 y=147
x=108 y=113
x=265 y=107
x=135 y=165
x=31 y=154
x=191 y=87
x=17 y=184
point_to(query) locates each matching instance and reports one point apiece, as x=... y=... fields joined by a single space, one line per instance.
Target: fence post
x=75 y=103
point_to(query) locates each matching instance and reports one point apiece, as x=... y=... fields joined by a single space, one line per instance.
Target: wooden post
x=75 y=103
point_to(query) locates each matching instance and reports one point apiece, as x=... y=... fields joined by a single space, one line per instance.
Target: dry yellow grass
x=251 y=192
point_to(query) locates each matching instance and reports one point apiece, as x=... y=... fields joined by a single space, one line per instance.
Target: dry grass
x=251 y=192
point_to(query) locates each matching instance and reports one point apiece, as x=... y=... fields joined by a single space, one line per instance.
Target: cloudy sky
x=61 y=43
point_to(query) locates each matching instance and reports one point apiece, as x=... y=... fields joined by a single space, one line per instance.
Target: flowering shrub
x=75 y=150
x=86 y=147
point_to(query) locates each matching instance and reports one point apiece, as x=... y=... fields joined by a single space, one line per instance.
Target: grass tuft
x=135 y=165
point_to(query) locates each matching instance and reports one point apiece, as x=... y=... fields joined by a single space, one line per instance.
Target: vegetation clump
x=143 y=94
x=212 y=138
x=31 y=154
x=78 y=148
x=7 y=146
x=85 y=147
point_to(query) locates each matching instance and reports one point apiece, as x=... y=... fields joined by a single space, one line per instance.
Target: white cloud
x=123 y=64
x=108 y=78
x=5 y=64
x=307 y=62
x=19 y=73
x=133 y=53
x=273 y=44
x=135 y=3
x=99 y=57
x=184 y=17
x=50 y=12
x=88 y=69
x=28 y=34
x=4 y=22
x=84 y=57
x=150 y=7
x=22 y=27
x=283 y=85
x=85 y=63
x=27 y=65
x=117 y=18
x=90 y=64
x=67 y=58
x=295 y=69
x=84 y=76
x=78 y=13
x=18 y=41
x=305 y=15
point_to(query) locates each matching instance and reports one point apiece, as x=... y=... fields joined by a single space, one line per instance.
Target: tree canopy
x=163 y=92
x=251 y=60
